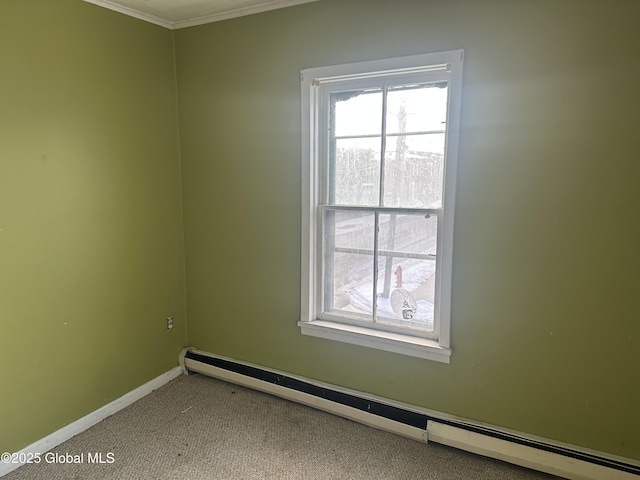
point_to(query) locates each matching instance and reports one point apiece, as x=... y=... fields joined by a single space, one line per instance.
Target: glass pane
x=406 y=270
x=413 y=173
x=348 y=263
x=355 y=174
x=414 y=159
x=417 y=108
x=357 y=113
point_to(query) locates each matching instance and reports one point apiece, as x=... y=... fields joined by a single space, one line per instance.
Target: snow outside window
x=379 y=164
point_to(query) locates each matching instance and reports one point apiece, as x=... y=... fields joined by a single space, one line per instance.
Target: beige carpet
x=197 y=427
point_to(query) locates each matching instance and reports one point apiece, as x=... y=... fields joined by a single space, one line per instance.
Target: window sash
x=366 y=320
x=383 y=81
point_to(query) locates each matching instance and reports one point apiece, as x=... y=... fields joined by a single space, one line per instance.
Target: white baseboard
x=65 y=433
x=511 y=451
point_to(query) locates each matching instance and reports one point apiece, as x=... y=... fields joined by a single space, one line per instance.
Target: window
x=379 y=148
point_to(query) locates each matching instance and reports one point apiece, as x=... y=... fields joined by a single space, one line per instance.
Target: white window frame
x=448 y=64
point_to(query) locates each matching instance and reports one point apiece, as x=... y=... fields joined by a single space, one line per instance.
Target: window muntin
x=381 y=152
x=401 y=258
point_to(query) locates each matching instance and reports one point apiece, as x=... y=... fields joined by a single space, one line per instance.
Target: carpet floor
x=200 y=428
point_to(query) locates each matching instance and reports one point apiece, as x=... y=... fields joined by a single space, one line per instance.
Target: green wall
x=91 y=240
x=545 y=333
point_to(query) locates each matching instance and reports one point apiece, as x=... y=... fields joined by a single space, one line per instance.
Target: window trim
x=312 y=180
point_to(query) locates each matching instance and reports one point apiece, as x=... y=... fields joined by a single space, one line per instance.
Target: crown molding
x=199 y=20
x=133 y=13
x=238 y=12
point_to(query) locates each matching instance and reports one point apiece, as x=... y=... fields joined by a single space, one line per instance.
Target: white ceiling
x=187 y=13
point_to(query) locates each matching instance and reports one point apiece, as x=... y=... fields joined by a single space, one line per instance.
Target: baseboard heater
x=547 y=457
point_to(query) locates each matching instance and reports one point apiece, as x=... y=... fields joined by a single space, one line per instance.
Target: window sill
x=366 y=337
